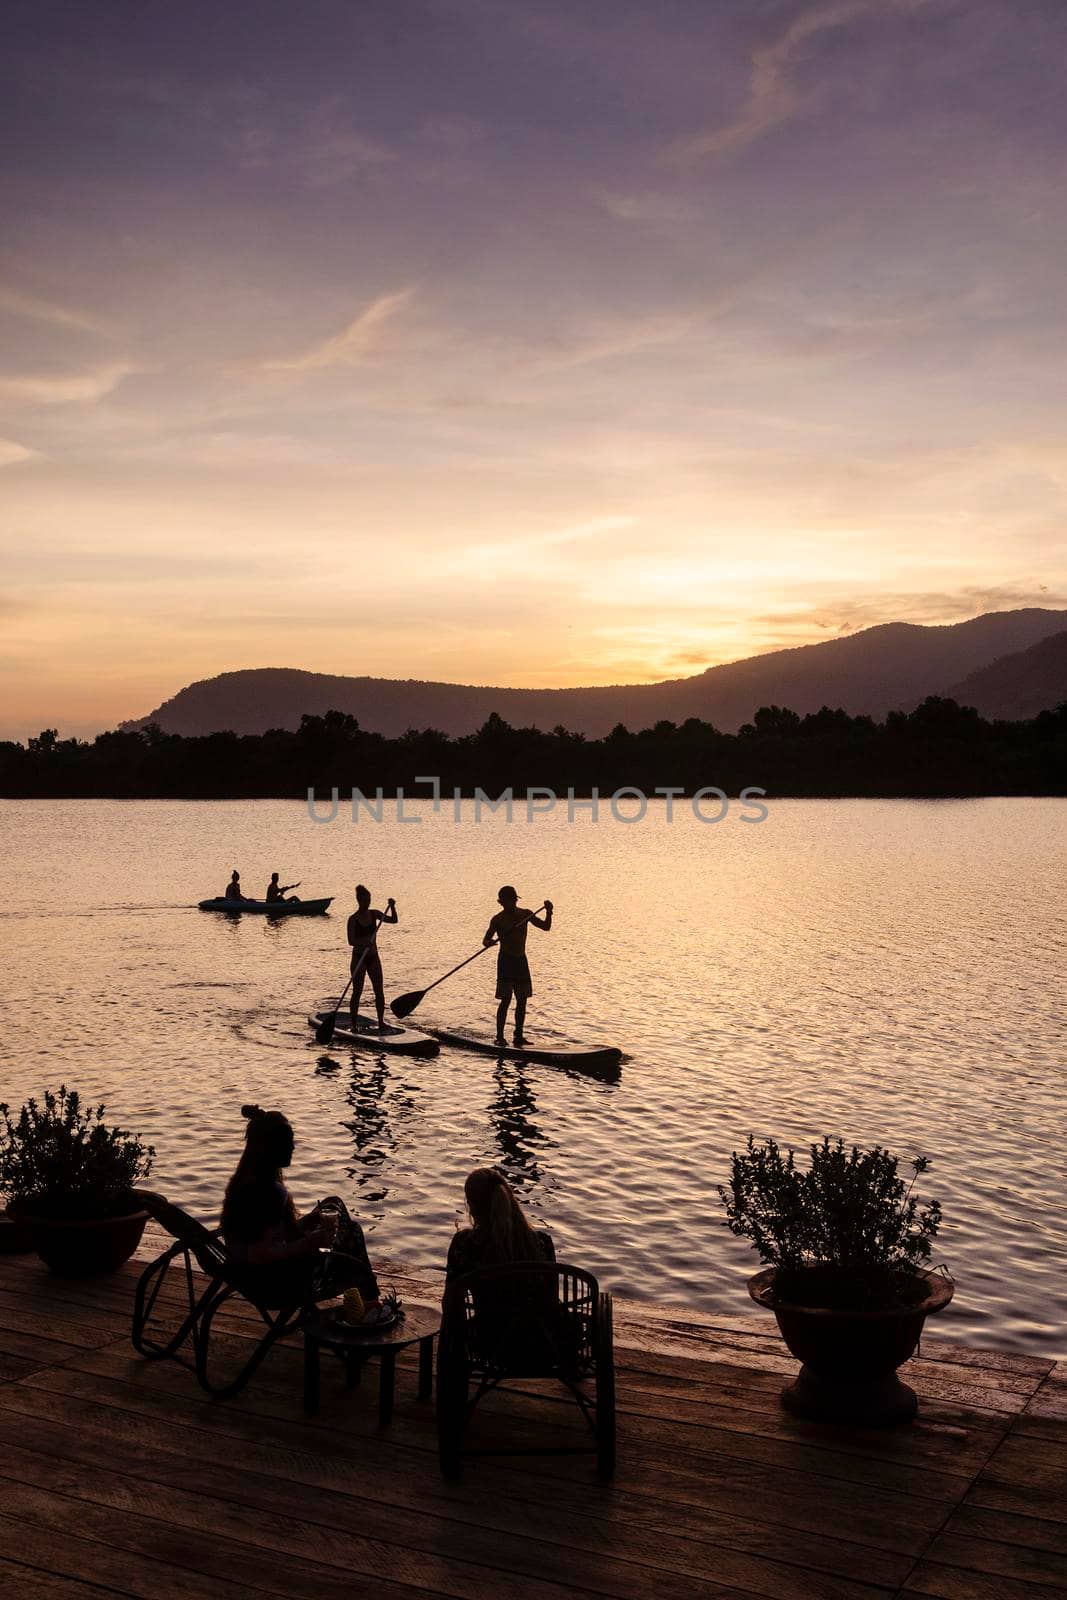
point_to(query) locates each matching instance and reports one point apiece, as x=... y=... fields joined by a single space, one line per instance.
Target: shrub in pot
x=845 y=1245
x=69 y=1178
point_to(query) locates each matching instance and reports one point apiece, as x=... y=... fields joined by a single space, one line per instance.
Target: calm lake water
x=889 y=971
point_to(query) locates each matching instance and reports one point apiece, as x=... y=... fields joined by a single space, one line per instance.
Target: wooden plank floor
x=121 y=1477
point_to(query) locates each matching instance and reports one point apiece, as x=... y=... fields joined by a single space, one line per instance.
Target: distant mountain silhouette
x=1020 y=685
x=889 y=667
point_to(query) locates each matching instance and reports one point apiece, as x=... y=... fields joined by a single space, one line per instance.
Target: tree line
x=941 y=749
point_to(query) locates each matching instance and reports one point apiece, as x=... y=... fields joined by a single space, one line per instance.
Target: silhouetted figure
x=508 y=929
x=500 y=1232
x=233 y=888
x=284 y=1250
x=278 y=891
x=363 y=927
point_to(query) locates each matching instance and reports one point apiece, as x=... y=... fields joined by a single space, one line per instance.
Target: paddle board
x=604 y=1060
x=364 y=1033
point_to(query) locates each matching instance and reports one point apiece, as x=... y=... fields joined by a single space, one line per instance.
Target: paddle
x=404 y=1004
x=325 y=1029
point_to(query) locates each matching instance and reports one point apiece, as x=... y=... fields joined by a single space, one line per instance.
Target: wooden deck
x=121 y=1477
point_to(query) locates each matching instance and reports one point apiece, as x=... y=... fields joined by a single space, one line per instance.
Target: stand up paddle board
x=605 y=1060
x=364 y=1033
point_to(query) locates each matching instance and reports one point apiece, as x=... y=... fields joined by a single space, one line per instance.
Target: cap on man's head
x=508 y=893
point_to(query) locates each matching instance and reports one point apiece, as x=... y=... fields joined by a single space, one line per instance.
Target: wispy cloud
x=773 y=96
x=352 y=343
x=646 y=207
x=322 y=148
x=54 y=389
x=25 y=305
x=511 y=557
x=576 y=531
x=626 y=338
x=852 y=612
x=11 y=453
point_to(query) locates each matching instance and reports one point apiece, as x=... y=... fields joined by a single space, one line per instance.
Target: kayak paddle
x=404 y=1004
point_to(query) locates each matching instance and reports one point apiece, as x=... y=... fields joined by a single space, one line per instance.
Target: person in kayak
x=282 y=1250
x=233 y=888
x=363 y=927
x=508 y=930
x=278 y=891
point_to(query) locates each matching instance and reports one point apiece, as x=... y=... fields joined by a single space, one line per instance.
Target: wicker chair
x=520 y=1321
x=201 y=1247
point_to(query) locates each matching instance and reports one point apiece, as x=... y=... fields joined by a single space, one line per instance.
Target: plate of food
x=354 y=1317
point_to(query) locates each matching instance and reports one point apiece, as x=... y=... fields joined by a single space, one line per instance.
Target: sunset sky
x=519 y=341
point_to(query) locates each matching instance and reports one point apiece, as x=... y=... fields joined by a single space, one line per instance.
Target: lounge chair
x=521 y=1321
x=198 y=1246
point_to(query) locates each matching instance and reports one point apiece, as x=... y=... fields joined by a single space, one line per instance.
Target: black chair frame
x=194 y=1243
x=572 y=1321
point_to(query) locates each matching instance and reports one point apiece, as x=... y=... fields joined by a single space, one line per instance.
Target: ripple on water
x=866 y=968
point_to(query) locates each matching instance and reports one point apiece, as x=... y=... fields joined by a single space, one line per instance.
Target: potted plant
x=69 y=1178
x=845 y=1245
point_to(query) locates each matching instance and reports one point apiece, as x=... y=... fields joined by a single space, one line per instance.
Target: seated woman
x=514 y=1323
x=500 y=1231
x=263 y=1229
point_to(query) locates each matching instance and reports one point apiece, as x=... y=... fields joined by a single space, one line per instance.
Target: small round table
x=355 y=1346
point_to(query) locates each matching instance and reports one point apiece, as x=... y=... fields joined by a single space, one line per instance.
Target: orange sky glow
x=502 y=345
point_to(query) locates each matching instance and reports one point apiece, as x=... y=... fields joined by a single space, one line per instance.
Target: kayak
x=605 y=1060
x=268 y=908
x=364 y=1033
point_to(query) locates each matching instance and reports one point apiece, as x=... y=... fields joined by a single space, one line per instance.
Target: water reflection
x=368 y=1125
x=381 y=1110
x=940 y=1010
x=512 y=1112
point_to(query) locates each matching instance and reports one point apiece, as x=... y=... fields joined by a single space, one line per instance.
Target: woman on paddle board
x=363 y=927
x=508 y=929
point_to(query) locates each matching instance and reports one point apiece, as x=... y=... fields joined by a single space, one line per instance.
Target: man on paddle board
x=508 y=930
x=363 y=927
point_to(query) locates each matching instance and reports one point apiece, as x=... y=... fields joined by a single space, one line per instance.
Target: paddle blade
x=324 y=1031
x=404 y=1004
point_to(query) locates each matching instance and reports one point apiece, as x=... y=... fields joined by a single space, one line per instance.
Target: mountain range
x=1007 y=663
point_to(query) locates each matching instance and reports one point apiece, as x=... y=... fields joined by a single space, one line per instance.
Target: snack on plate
x=353 y=1308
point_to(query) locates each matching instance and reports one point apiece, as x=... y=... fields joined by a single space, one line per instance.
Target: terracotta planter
x=77 y=1248
x=850 y=1358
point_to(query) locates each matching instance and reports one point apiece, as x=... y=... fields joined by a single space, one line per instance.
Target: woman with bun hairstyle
x=500 y=1232
x=363 y=927
x=264 y=1230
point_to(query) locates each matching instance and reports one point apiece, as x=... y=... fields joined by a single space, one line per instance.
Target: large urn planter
x=79 y=1247
x=850 y=1358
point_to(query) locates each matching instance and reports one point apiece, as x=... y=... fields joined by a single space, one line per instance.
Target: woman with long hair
x=363 y=927
x=499 y=1232
x=263 y=1228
